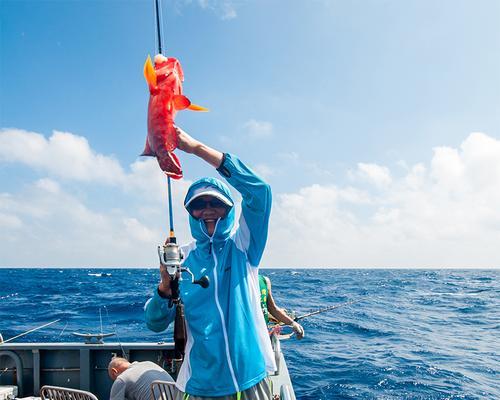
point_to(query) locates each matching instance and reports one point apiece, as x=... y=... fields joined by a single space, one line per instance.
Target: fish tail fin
x=147 y=150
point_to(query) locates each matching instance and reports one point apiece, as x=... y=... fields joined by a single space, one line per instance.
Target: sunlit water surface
x=416 y=334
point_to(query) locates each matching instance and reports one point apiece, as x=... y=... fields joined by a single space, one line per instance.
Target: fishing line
x=162 y=25
x=65 y=326
x=116 y=332
x=30 y=330
x=100 y=318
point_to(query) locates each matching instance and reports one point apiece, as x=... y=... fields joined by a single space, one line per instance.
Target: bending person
x=132 y=381
x=228 y=354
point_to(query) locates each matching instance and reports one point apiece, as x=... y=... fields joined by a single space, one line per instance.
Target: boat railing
x=286 y=393
x=29 y=366
x=61 y=393
x=19 y=367
x=277 y=352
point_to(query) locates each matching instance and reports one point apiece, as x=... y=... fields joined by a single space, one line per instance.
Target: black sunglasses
x=200 y=204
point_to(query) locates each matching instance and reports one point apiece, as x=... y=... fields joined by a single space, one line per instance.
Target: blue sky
x=377 y=124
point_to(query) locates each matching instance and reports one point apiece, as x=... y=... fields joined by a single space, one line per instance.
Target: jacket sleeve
x=157 y=313
x=251 y=235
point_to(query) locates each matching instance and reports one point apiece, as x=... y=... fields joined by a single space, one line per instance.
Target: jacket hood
x=224 y=225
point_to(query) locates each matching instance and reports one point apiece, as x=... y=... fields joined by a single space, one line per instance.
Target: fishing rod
x=158 y=13
x=29 y=331
x=278 y=328
x=170 y=255
x=322 y=310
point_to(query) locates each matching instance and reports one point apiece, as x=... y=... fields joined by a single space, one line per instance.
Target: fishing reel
x=171 y=258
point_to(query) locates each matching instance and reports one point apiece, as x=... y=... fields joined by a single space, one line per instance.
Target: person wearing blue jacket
x=228 y=353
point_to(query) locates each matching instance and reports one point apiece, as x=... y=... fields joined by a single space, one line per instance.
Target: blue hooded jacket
x=228 y=348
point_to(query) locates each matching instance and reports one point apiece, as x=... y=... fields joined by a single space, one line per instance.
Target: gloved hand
x=299 y=331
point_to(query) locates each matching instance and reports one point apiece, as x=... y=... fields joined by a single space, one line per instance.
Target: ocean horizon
x=270 y=268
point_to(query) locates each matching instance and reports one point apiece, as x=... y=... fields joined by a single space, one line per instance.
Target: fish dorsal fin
x=149 y=72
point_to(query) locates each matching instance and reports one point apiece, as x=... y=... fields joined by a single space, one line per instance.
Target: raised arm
x=192 y=146
x=251 y=236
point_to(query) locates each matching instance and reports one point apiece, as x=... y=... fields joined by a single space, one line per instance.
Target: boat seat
x=163 y=390
x=61 y=393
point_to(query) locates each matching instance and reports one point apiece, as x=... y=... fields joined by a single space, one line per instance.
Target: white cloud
x=442 y=215
x=228 y=10
x=295 y=160
x=224 y=9
x=62 y=230
x=63 y=155
x=10 y=221
x=60 y=226
x=48 y=185
x=263 y=170
x=289 y=157
x=258 y=129
x=137 y=231
x=374 y=174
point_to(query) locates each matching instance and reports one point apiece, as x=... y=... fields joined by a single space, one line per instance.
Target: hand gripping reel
x=171 y=258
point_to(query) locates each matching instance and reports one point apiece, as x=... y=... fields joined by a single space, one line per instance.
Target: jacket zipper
x=219 y=308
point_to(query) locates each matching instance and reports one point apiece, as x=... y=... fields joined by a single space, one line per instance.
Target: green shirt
x=264 y=292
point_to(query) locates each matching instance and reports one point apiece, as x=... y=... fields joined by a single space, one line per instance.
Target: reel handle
x=204 y=282
x=171 y=258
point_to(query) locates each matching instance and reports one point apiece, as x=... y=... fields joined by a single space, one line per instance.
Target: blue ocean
x=414 y=334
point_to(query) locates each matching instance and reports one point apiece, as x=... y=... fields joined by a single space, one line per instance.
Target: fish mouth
x=160 y=58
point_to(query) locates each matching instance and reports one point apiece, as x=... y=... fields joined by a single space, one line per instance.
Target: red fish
x=165 y=99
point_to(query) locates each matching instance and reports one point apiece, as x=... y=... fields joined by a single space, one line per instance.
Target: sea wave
x=415 y=334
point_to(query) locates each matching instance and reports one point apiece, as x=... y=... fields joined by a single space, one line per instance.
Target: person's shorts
x=260 y=391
